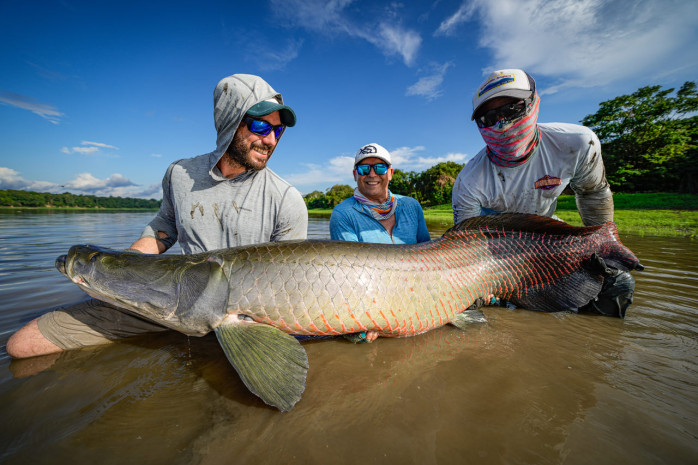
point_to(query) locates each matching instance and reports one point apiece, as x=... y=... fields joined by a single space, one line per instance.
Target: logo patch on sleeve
x=547 y=182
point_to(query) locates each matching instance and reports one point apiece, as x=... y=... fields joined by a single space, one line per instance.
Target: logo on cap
x=496 y=81
x=368 y=149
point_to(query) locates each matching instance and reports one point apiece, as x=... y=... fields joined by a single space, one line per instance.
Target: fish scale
x=366 y=279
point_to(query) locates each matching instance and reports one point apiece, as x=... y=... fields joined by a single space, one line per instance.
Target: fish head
x=187 y=293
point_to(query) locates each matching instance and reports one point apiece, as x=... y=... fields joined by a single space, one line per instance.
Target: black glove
x=616 y=293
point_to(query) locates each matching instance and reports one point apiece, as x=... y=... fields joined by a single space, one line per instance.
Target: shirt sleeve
x=165 y=219
x=465 y=205
x=592 y=192
x=292 y=219
x=341 y=228
x=422 y=231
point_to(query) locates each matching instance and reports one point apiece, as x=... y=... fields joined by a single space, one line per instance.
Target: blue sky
x=99 y=97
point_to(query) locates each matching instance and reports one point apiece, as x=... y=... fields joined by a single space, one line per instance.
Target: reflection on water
x=526 y=387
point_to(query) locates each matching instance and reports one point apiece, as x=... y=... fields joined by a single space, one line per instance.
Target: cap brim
x=372 y=155
x=288 y=116
x=513 y=93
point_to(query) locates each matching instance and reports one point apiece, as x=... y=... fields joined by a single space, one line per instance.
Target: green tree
x=649 y=139
x=435 y=185
x=337 y=193
x=404 y=183
x=20 y=198
x=332 y=196
x=316 y=199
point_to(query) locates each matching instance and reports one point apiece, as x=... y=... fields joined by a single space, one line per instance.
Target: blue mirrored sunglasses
x=263 y=128
x=378 y=168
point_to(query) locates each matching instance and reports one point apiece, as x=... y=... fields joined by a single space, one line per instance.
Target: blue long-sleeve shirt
x=352 y=221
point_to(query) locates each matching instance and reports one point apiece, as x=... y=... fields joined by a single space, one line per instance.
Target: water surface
x=526 y=387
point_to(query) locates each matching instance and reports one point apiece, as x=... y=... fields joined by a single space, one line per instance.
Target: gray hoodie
x=206 y=211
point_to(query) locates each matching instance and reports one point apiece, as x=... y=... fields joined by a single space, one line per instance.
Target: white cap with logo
x=504 y=83
x=372 y=150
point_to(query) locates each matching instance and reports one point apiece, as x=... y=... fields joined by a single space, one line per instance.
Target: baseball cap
x=515 y=83
x=263 y=108
x=372 y=150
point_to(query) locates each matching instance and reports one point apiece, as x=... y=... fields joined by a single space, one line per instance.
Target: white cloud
x=44 y=110
x=154 y=191
x=85 y=183
x=271 y=57
x=430 y=86
x=332 y=18
x=394 y=40
x=338 y=170
x=84 y=150
x=449 y=26
x=10 y=179
x=89 y=148
x=99 y=144
x=585 y=42
x=409 y=158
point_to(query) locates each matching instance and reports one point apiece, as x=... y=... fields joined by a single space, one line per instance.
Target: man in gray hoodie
x=222 y=199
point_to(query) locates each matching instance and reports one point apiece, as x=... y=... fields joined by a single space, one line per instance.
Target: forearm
x=149 y=245
x=595 y=207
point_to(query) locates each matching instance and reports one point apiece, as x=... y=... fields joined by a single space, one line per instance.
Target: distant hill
x=19 y=198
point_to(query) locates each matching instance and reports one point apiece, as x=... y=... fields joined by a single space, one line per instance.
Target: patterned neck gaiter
x=511 y=143
x=380 y=211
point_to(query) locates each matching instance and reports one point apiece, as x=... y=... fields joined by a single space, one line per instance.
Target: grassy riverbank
x=659 y=214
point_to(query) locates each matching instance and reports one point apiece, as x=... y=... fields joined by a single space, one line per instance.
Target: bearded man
x=221 y=199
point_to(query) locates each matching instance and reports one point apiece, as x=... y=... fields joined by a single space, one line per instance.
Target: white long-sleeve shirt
x=568 y=154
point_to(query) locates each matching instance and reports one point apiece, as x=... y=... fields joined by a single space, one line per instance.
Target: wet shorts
x=91 y=322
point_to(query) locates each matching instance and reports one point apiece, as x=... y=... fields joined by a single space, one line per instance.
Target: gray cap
x=263 y=108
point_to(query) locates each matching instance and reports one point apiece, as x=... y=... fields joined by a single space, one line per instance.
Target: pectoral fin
x=271 y=363
x=467 y=318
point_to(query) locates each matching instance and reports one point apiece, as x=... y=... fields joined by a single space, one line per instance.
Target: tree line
x=430 y=187
x=649 y=143
x=19 y=198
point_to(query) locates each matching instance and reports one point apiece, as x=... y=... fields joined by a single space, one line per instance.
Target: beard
x=238 y=154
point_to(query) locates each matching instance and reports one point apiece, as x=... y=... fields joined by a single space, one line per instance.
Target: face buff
x=511 y=143
x=379 y=211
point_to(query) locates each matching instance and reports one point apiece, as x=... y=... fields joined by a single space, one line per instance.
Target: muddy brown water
x=525 y=387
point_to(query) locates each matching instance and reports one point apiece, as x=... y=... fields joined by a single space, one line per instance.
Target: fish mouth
x=61 y=265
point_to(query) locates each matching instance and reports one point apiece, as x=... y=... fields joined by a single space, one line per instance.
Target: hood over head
x=233 y=97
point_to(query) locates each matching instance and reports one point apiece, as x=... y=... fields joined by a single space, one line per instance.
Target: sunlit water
x=526 y=387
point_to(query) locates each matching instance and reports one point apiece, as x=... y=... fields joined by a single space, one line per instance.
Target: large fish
x=256 y=297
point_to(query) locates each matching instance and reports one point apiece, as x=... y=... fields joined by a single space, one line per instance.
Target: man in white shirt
x=525 y=166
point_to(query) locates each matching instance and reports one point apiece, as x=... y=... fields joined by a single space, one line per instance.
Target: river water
x=526 y=387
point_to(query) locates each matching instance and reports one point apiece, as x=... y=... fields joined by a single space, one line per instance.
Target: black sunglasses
x=506 y=112
x=379 y=168
x=263 y=128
